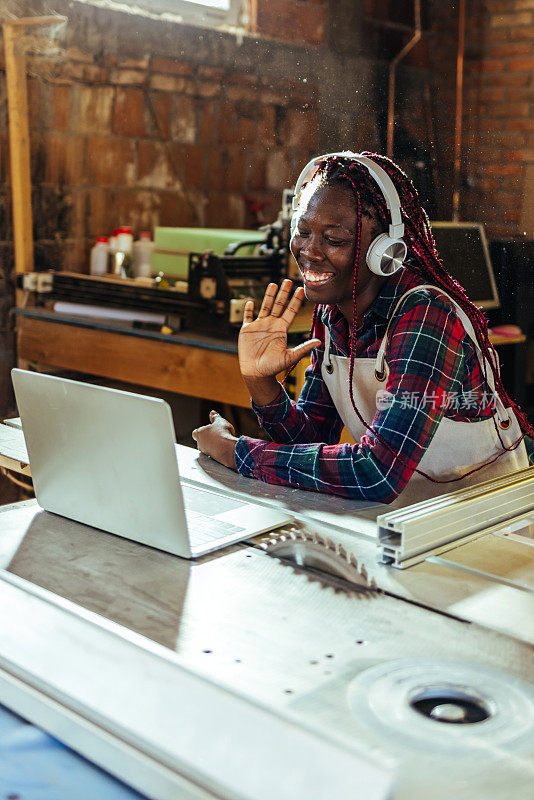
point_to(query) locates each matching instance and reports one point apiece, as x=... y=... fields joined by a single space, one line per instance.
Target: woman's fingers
x=268 y=300
x=293 y=306
x=281 y=299
x=248 y=312
x=296 y=353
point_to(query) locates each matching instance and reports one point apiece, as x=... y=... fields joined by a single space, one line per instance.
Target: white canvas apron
x=456 y=448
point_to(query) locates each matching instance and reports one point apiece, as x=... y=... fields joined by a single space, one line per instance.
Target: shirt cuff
x=273 y=412
x=248 y=455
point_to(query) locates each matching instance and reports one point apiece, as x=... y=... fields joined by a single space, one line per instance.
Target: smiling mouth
x=316 y=278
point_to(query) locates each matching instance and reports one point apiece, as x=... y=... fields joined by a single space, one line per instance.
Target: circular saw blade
x=311 y=551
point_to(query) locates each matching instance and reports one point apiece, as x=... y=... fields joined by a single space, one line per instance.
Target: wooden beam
x=19 y=147
x=19 y=135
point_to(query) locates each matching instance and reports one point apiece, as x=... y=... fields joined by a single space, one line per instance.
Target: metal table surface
x=254 y=626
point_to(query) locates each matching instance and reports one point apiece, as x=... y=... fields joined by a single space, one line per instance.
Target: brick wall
x=498 y=120
x=155 y=141
x=290 y=20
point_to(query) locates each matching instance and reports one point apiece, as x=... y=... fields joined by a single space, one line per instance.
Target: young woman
x=399 y=354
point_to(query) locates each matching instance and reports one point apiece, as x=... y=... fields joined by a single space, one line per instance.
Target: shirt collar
x=391 y=292
x=385 y=302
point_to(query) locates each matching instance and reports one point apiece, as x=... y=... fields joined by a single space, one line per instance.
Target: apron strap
x=382 y=368
x=326 y=357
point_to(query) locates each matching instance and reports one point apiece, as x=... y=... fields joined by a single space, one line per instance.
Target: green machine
x=172 y=246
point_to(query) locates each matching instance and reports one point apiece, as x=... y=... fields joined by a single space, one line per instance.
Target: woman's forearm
x=262 y=390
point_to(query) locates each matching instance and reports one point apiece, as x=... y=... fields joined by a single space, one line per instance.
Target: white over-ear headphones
x=387 y=252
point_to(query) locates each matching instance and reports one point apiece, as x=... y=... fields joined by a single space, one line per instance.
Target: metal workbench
x=238 y=676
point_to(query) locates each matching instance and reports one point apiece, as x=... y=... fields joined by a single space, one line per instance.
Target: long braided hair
x=423 y=261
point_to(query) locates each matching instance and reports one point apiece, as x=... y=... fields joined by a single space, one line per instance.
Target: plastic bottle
x=142 y=254
x=99 y=256
x=122 y=251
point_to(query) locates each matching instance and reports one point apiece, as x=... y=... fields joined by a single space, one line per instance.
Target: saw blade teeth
x=372 y=585
x=353 y=560
x=342 y=552
x=331 y=545
x=364 y=573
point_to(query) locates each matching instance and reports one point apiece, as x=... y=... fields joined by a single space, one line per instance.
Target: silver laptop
x=107 y=458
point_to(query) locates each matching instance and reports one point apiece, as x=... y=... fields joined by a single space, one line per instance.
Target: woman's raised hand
x=263 y=350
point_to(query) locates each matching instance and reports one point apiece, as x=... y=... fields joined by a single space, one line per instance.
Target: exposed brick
x=191 y=157
x=243 y=79
x=128 y=113
x=160 y=105
x=273 y=97
x=227 y=123
x=60 y=112
x=300 y=129
x=110 y=162
x=154 y=167
x=521 y=93
x=75 y=255
x=78 y=216
x=98 y=212
x=241 y=93
x=267 y=127
x=246 y=131
x=140 y=209
x=504 y=169
x=113 y=60
x=35 y=91
x=183 y=122
x=93 y=109
x=509 y=110
x=511 y=20
x=278 y=170
x=75 y=54
x=177 y=211
x=63 y=159
x=509 y=49
x=486 y=65
x=256 y=172
x=211 y=73
x=524 y=154
x=167 y=83
x=291 y=20
x=487 y=184
x=204 y=88
x=170 y=66
x=235 y=169
x=88 y=73
x=522 y=64
x=225 y=211
x=128 y=77
x=207 y=121
x=509 y=79
x=526 y=32
x=216 y=169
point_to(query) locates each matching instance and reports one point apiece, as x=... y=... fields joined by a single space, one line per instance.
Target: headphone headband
x=380 y=176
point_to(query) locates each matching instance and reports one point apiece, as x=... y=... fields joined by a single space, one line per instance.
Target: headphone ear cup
x=386 y=255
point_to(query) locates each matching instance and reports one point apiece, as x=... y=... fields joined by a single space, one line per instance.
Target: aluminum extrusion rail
x=409 y=535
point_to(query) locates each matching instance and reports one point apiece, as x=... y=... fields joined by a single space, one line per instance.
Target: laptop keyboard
x=202 y=527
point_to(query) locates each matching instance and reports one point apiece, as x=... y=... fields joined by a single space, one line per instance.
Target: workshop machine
x=203 y=291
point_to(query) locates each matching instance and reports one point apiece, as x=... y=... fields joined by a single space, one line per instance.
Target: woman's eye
x=334 y=242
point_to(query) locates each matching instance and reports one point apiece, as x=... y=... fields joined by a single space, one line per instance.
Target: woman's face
x=324 y=246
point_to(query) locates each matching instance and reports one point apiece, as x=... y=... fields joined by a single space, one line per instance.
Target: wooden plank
x=19 y=144
x=194 y=371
